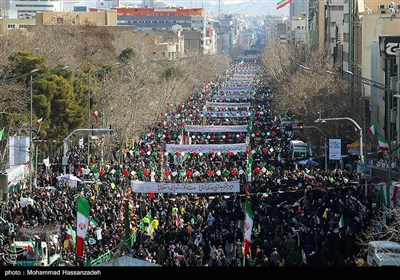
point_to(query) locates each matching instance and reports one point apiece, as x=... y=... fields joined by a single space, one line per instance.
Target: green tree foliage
x=126 y=55
x=173 y=72
x=26 y=61
x=61 y=110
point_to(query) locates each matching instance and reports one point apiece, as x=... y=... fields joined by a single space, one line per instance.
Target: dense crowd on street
x=296 y=218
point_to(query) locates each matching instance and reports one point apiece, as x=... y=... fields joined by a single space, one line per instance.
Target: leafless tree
x=386 y=226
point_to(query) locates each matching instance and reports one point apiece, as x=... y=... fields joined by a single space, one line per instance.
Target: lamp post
x=355 y=123
x=89 y=118
x=30 y=127
x=31 y=116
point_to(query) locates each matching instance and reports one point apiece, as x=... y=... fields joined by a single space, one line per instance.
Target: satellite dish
x=392 y=10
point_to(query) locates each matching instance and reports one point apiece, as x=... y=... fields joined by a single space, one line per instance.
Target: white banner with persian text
x=235 y=89
x=233 y=114
x=208 y=187
x=221 y=97
x=216 y=128
x=206 y=148
x=227 y=104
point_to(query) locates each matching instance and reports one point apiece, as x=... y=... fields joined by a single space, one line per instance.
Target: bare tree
x=307 y=94
x=385 y=226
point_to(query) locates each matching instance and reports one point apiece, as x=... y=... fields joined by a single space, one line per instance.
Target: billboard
x=18 y=150
x=335 y=149
x=80 y=9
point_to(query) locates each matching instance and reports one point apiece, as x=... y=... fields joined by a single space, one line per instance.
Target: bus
x=383 y=253
x=298 y=149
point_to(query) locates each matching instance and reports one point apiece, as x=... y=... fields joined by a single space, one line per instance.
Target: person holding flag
x=248 y=227
x=82 y=223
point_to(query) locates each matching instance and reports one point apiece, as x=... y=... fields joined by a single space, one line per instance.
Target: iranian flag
x=248 y=227
x=373 y=130
x=71 y=236
x=282 y=3
x=32 y=248
x=308 y=176
x=341 y=222
x=39 y=121
x=385 y=195
x=93 y=223
x=95 y=115
x=82 y=222
x=383 y=144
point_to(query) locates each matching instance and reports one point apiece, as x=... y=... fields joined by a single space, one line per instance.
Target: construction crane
x=219 y=8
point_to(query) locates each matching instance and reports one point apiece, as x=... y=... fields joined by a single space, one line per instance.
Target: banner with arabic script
x=220 y=97
x=241 y=79
x=216 y=128
x=206 y=148
x=227 y=104
x=235 y=89
x=233 y=114
x=208 y=187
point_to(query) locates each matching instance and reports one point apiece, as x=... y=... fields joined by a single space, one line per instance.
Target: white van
x=22 y=255
x=298 y=149
x=383 y=253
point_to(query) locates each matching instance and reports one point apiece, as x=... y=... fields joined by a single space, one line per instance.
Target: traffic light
x=112 y=127
x=301 y=127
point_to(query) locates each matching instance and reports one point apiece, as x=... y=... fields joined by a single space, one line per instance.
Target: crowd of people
x=303 y=215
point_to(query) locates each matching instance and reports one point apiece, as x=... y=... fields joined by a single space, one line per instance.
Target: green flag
x=1 y=133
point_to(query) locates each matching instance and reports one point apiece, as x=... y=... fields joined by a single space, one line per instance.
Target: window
x=22 y=26
x=10 y=26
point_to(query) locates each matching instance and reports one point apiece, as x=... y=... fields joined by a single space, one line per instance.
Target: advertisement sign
x=18 y=150
x=335 y=149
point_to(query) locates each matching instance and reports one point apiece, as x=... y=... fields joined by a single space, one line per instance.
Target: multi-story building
x=150 y=19
x=297 y=8
x=334 y=29
x=27 y=9
x=101 y=18
x=298 y=31
x=211 y=41
x=281 y=32
x=190 y=21
x=7 y=24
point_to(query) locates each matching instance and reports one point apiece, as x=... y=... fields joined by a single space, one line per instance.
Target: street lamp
x=30 y=127
x=355 y=123
x=31 y=115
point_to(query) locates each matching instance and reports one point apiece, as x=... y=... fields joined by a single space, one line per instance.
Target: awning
x=356 y=144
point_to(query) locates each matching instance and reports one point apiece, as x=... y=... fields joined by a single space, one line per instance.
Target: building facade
x=27 y=9
x=101 y=18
